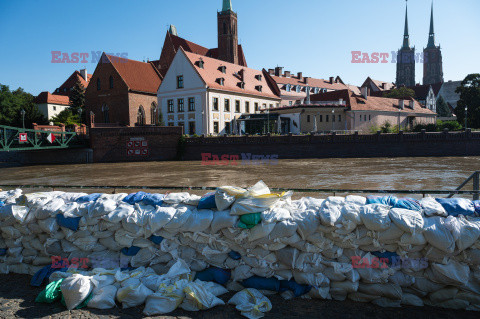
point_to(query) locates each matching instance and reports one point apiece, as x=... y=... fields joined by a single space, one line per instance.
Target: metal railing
x=475 y=177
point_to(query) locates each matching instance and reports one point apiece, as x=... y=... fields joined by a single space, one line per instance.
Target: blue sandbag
x=131 y=251
x=156 y=239
x=2 y=203
x=3 y=251
x=68 y=222
x=88 y=198
x=134 y=198
x=408 y=203
x=260 y=283
x=389 y=255
x=218 y=275
x=44 y=274
x=297 y=289
x=476 y=204
x=207 y=201
x=385 y=200
x=153 y=199
x=234 y=255
x=457 y=206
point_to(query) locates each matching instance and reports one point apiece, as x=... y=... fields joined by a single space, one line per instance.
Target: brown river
x=429 y=173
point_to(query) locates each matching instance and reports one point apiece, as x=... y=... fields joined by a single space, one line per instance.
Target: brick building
x=123 y=92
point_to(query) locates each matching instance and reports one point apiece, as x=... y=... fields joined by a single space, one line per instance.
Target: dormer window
x=241 y=85
x=221 y=81
x=223 y=69
x=258 y=88
x=298 y=88
x=315 y=90
x=201 y=63
x=288 y=88
x=258 y=77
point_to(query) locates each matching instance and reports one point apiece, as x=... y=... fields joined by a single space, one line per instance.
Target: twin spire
x=406 y=36
x=227 y=5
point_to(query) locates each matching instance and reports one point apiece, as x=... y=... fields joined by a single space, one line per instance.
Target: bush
x=438 y=127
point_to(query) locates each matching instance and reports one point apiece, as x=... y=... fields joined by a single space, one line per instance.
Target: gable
x=181 y=66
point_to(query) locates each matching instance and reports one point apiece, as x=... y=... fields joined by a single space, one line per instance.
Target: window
x=259 y=88
x=54 y=108
x=256 y=107
x=308 y=118
x=141 y=116
x=191 y=128
x=320 y=118
x=227 y=127
x=215 y=127
x=242 y=85
x=290 y=102
x=154 y=114
x=111 y=81
x=369 y=117
x=288 y=88
x=258 y=77
x=339 y=118
x=326 y=118
x=271 y=106
x=315 y=90
x=191 y=104
x=298 y=88
x=170 y=106
x=365 y=117
x=221 y=81
x=227 y=105
x=180 y=82
x=215 y=103
x=171 y=124
x=247 y=107
x=105 y=113
x=201 y=63
x=223 y=69
x=237 y=106
x=99 y=87
x=264 y=106
x=180 y=105
x=333 y=118
x=182 y=125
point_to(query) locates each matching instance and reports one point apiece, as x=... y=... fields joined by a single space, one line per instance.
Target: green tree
x=160 y=118
x=11 y=105
x=442 y=108
x=77 y=98
x=469 y=92
x=400 y=93
x=67 y=117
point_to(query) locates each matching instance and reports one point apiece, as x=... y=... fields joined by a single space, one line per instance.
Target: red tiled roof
x=138 y=76
x=47 y=97
x=372 y=103
x=210 y=73
x=70 y=83
x=187 y=45
x=320 y=83
x=213 y=53
x=421 y=91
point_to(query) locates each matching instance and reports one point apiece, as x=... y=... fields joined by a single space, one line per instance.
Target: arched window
x=111 y=82
x=105 y=112
x=154 y=114
x=98 y=84
x=224 y=28
x=141 y=116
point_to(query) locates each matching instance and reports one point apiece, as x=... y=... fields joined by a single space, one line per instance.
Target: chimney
x=241 y=74
x=331 y=80
x=278 y=71
x=83 y=73
x=365 y=92
x=286 y=74
x=271 y=71
x=402 y=104
x=307 y=80
x=300 y=76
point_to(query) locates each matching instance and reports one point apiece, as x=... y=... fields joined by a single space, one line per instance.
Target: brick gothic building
x=406 y=60
x=432 y=62
x=123 y=92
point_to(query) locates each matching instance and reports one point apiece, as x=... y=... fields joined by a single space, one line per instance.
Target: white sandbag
x=143 y=257
x=388 y=290
x=431 y=207
x=387 y=303
x=198 y=297
x=453 y=273
x=176 y=198
x=165 y=300
x=355 y=199
x=407 y=220
x=276 y=214
x=361 y=297
x=132 y=296
x=251 y=303
x=343 y=288
x=464 y=232
x=223 y=219
x=223 y=199
x=261 y=230
x=307 y=221
x=48 y=225
x=443 y=294
x=75 y=289
x=102 y=207
x=50 y=209
x=331 y=210
x=103 y=298
x=411 y=300
x=182 y=214
x=121 y=212
x=124 y=238
x=375 y=216
x=198 y=221
x=438 y=235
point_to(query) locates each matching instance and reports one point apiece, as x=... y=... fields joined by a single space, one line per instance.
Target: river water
x=428 y=173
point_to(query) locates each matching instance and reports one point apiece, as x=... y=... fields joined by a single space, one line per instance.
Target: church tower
x=227 y=34
x=406 y=59
x=432 y=59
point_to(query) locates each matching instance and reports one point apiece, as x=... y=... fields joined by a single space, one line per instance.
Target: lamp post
x=268 y=119
x=22 y=112
x=466 y=110
x=333 y=119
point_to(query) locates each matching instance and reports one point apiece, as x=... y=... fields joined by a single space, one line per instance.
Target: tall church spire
x=431 y=35
x=406 y=37
x=227 y=5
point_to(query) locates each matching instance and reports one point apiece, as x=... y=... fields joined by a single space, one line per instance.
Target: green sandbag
x=83 y=303
x=51 y=293
x=248 y=221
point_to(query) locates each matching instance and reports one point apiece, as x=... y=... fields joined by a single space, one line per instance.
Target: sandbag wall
x=383 y=250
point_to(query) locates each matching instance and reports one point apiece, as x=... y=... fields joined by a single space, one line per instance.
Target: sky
x=315 y=37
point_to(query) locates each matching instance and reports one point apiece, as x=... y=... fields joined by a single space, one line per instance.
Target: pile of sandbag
x=383 y=250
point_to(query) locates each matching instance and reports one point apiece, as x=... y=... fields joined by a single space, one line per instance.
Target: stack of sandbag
x=384 y=250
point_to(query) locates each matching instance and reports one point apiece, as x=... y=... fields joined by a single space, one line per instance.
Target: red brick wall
x=167 y=55
x=110 y=144
x=135 y=101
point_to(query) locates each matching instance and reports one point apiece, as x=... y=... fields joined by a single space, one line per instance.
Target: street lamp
x=22 y=112
x=466 y=110
x=333 y=119
x=268 y=119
